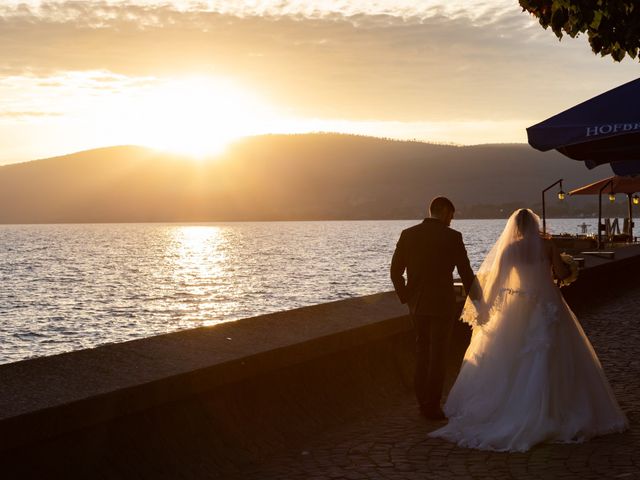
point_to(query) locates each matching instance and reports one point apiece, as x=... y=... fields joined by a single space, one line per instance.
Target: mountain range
x=290 y=177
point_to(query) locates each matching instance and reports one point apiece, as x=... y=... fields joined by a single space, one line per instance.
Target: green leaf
x=597 y=18
x=612 y=27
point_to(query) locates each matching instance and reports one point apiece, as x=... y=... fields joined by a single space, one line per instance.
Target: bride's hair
x=526 y=222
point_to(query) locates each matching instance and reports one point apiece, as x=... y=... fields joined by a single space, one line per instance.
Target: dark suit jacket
x=429 y=252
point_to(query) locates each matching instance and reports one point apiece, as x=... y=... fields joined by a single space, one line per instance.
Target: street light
x=612 y=197
x=636 y=199
x=561 y=196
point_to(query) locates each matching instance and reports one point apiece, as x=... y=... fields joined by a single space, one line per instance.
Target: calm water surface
x=67 y=287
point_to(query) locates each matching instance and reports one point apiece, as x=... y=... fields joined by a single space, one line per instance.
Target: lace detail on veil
x=478 y=314
x=513 y=291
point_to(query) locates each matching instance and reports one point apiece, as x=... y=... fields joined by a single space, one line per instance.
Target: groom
x=429 y=252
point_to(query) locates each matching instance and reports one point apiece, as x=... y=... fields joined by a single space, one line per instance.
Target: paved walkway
x=394 y=445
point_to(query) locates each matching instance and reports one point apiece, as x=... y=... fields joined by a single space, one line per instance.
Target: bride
x=530 y=374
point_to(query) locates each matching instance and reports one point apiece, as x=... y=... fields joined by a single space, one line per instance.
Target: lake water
x=67 y=287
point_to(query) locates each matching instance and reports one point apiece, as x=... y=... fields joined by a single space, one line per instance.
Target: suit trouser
x=433 y=334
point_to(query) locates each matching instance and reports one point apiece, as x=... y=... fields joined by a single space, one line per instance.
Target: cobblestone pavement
x=394 y=445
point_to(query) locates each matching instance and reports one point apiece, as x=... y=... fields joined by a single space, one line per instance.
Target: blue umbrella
x=604 y=129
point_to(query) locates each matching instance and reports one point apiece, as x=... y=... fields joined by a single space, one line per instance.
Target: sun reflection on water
x=199 y=247
x=198 y=260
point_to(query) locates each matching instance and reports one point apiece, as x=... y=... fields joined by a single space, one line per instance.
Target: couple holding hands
x=530 y=374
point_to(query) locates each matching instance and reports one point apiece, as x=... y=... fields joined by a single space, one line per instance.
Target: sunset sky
x=193 y=75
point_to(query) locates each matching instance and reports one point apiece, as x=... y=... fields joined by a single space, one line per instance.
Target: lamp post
x=600 y=225
x=629 y=232
x=561 y=196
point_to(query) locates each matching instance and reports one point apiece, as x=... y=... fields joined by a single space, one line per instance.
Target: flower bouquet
x=573 y=268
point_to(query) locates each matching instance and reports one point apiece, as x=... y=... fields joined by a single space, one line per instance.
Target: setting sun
x=198 y=116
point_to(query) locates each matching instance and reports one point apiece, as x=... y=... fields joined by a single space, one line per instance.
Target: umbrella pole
x=599 y=220
x=610 y=182
x=630 y=232
x=544 y=216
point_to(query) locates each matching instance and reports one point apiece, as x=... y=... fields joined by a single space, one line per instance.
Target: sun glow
x=197 y=116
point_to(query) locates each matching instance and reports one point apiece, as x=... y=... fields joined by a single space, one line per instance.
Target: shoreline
x=225 y=222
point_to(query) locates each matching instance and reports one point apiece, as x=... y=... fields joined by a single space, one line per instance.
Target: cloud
x=28 y=98
x=10 y=114
x=395 y=61
x=406 y=9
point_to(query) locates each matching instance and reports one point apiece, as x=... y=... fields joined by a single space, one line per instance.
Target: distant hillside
x=286 y=177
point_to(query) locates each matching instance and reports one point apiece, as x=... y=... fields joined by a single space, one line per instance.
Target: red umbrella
x=612 y=185
x=615 y=184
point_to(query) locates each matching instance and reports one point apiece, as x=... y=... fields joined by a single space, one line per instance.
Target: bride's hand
x=482 y=314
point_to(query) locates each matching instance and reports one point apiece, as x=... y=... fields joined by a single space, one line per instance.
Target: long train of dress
x=530 y=376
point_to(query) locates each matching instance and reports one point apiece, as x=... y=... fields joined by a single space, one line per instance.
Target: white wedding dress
x=530 y=374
